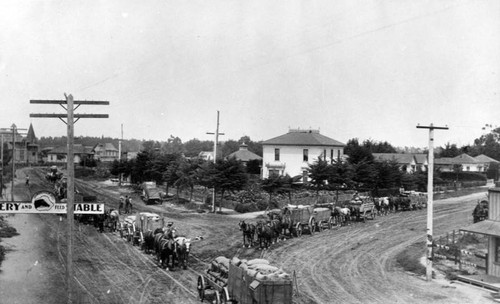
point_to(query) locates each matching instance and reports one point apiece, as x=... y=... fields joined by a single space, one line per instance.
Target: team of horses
x=279 y=226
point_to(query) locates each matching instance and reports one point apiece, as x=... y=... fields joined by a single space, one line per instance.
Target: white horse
x=384 y=205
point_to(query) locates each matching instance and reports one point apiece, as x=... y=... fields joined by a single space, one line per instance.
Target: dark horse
x=281 y=223
x=149 y=240
x=265 y=234
x=168 y=248
x=248 y=233
x=164 y=246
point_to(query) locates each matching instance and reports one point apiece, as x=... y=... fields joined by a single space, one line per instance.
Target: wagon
x=362 y=208
x=245 y=282
x=128 y=229
x=148 y=221
x=323 y=218
x=302 y=217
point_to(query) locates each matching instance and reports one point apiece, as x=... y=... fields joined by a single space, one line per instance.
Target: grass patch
x=409 y=259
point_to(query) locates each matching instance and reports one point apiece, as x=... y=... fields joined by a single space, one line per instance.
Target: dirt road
x=353 y=264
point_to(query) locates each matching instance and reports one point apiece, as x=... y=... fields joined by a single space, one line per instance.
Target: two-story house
x=291 y=153
x=106 y=152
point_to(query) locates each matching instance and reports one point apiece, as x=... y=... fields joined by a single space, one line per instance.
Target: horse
x=149 y=240
x=248 y=233
x=111 y=219
x=264 y=234
x=384 y=205
x=167 y=249
x=286 y=224
x=344 y=214
x=275 y=225
x=182 y=252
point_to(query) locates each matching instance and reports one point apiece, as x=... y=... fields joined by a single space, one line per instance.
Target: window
x=273 y=173
x=276 y=154
x=331 y=155
x=304 y=177
x=306 y=155
x=468 y=168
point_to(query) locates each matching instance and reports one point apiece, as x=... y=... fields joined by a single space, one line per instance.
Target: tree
x=319 y=172
x=357 y=153
x=229 y=176
x=341 y=175
x=450 y=150
x=277 y=184
x=253 y=166
x=186 y=176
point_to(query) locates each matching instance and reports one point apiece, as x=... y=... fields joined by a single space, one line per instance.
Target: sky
x=350 y=68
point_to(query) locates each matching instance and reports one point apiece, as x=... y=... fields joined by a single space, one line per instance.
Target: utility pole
x=14 y=131
x=430 y=193
x=216 y=142
x=68 y=105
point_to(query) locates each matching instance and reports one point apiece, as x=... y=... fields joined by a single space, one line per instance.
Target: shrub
x=246 y=207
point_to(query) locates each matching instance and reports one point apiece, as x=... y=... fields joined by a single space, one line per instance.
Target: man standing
x=128 y=204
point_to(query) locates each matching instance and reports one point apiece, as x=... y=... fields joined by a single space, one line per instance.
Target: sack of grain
x=257 y=261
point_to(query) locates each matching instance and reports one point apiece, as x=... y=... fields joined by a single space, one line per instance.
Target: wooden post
x=68 y=104
x=70 y=196
x=430 y=193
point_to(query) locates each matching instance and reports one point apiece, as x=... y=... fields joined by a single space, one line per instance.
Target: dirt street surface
x=353 y=264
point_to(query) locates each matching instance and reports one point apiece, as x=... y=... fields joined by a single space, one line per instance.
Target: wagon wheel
x=225 y=296
x=320 y=225
x=217 y=297
x=298 y=229
x=312 y=225
x=201 y=287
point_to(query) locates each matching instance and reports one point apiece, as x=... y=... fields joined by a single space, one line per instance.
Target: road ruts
x=355 y=264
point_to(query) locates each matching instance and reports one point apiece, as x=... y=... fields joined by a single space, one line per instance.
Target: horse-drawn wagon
x=301 y=217
x=245 y=282
x=362 y=208
x=323 y=218
x=133 y=227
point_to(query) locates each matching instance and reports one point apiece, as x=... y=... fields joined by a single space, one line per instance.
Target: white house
x=59 y=154
x=406 y=162
x=291 y=153
x=105 y=152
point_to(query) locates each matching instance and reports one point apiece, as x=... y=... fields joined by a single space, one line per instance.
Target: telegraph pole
x=216 y=142
x=430 y=193
x=68 y=105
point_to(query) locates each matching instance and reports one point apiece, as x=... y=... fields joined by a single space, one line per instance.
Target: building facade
x=293 y=152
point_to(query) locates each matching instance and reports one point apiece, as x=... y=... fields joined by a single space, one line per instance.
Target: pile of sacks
x=261 y=270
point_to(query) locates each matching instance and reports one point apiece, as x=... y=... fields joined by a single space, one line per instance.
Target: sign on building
x=46 y=202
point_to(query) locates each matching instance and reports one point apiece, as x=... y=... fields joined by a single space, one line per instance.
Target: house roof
x=303 y=138
x=486 y=159
x=106 y=146
x=243 y=154
x=400 y=158
x=31 y=137
x=466 y=159
x=420 y=158
x=446 y=161
x=487 y=227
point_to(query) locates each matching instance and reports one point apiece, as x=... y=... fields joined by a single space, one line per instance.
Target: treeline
x=172 y=145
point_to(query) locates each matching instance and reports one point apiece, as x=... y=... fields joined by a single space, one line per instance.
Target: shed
x=490 y=228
